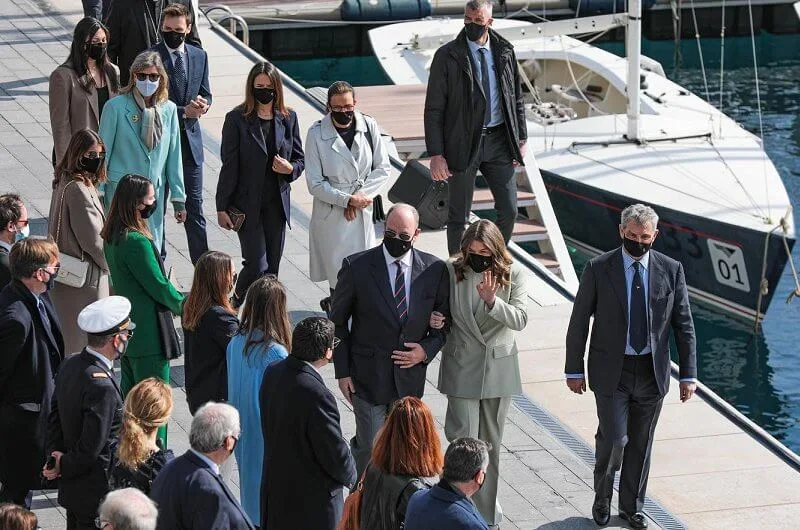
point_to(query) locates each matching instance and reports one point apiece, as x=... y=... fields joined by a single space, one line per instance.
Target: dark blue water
x=759 y=373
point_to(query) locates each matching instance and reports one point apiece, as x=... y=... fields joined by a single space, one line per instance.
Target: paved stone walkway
x=543 y=485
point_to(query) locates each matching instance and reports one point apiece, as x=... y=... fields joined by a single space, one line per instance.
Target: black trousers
x=627 y=421
x=262 y=241
x=195 y=223
x=80 y=521
x=494 y=157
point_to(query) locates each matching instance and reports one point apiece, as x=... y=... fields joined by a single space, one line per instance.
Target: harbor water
x=758 y=373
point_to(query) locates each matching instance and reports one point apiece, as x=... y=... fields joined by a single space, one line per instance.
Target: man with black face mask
x=382 y=307
x=87 y=412
x=32 y=348
x=189 y=89
x=636 y=296
x=474 y=119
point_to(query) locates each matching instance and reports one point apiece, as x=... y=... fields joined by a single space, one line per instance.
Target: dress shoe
x=637 y=520
x=601 y=511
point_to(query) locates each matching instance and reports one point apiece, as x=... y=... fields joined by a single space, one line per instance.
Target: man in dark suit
x=87 y=412
x=187 y=68
x=31 y=349
x=13 y=227
x=189 y=491
x=134 y=27
x=475 y=119
x=306 y=459
x=636 y=295
x=448 y=504
x=385 y=351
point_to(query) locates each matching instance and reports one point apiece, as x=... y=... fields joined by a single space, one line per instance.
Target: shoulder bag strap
x=61 y=214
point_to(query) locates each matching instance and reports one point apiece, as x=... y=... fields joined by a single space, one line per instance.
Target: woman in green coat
x=137 y=274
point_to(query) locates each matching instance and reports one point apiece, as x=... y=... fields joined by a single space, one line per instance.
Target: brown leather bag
x=351 y=514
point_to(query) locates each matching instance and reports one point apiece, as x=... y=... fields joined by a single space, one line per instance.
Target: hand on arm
x=359 y=201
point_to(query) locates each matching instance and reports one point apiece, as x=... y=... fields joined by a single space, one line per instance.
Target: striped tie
x=400 y=292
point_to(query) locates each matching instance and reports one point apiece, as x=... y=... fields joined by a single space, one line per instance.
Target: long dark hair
x=249 y=105
x=79 y=145
x=79 y=54
x=124 y=215
x=265 y=311
x=487 y=233
x=210 y=286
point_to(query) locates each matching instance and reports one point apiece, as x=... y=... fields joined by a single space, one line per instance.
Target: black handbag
x=378 y=213
x=167 y=334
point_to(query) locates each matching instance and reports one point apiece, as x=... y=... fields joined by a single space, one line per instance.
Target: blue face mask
x=22 y=233
x=146 y=88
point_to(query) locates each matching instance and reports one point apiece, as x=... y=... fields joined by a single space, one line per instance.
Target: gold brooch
x=135 y=118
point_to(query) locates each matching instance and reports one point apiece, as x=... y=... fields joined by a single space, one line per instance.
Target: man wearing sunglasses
x=31 y=350
x=388 y=293
x=13 y=228
x=87 y=412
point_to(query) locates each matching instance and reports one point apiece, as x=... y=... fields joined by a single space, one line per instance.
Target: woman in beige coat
x=480 y=366
x=76 y=219
x=81 y=86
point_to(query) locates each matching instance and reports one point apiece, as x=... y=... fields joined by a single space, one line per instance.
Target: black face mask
x=634 y=248
x=51 y=281
x=173 y=39
x=149 y=209
x=90 y=165
x=474 y=31
x=97 y=52
x=264 y=95
x=479 y=263
x=395 y=246
x=342 y=117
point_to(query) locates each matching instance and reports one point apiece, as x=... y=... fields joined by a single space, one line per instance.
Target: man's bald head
x=403 y=219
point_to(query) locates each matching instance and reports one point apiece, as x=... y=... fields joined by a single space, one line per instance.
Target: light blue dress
x=245 y=374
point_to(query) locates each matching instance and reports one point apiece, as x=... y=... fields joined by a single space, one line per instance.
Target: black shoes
x=601 y=511
x=637 y=521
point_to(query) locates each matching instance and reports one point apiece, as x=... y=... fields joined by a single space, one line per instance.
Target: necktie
x=638 y=311
x=400 y=292
x=179 y=73
x=487 y=115
x=43 y=316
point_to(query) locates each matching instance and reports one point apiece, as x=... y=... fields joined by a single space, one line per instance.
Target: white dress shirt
x=109 y=364
x=406 y=261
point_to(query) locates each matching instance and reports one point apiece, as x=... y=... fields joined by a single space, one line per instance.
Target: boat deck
x=707 y=472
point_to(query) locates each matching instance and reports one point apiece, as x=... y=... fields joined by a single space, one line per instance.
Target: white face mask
x=146 y=88
x=22 y=233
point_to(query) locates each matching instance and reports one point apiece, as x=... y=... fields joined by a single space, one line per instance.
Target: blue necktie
x=179 y=72
x=638 y=311
x=487 y=115
x=43 y=316
x=400 y=292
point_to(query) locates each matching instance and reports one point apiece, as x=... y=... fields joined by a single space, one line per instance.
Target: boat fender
x=384 y=10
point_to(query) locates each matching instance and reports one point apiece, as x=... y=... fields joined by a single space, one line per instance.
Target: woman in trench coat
x=343 y=180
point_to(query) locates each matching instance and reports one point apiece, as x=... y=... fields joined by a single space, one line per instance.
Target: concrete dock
x=707 y=473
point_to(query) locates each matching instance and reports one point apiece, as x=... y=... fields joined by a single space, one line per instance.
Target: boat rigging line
x=758 y=100
x=700 y=53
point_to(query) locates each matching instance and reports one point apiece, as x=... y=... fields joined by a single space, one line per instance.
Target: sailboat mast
x=633 y=51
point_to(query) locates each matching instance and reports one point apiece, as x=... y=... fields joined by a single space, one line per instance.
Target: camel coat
x=333 y=174
x=75 y=221
x=480 y=358
x=72 y=107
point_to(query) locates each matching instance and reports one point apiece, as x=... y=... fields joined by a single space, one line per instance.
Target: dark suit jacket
x=246 y=162
x=197 y=84
x=5 y=268
x=306 y=460
x=132 y=32
x=602 y=294
x=29 y=360
x=367 y=342
x=440 y=508
x=84 y=425
x=190 y=496
x=206 y=364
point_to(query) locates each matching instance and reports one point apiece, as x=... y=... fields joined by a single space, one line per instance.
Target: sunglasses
x=151 y=77
x=391 y=234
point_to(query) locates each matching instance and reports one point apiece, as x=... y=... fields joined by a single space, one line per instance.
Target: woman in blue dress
x=264 y=337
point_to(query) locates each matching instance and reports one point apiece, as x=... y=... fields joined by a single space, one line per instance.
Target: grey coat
x=480 y=359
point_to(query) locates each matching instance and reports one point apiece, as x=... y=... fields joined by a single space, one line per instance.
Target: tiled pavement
x=542 y=485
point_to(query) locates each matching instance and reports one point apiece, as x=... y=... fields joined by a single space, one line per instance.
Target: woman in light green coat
x=480 y=367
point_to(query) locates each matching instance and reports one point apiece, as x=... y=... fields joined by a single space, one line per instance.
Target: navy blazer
x=5 y=268
x=439 y=508
x=246 y=161
x=196 y=84
x=189 y=495
x=306 y=459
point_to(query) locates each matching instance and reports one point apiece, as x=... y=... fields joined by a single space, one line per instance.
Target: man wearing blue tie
x=189 y=89
x=636 y=295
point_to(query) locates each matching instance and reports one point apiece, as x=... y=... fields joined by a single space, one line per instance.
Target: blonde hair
x=147 y=407
x=146 y=59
